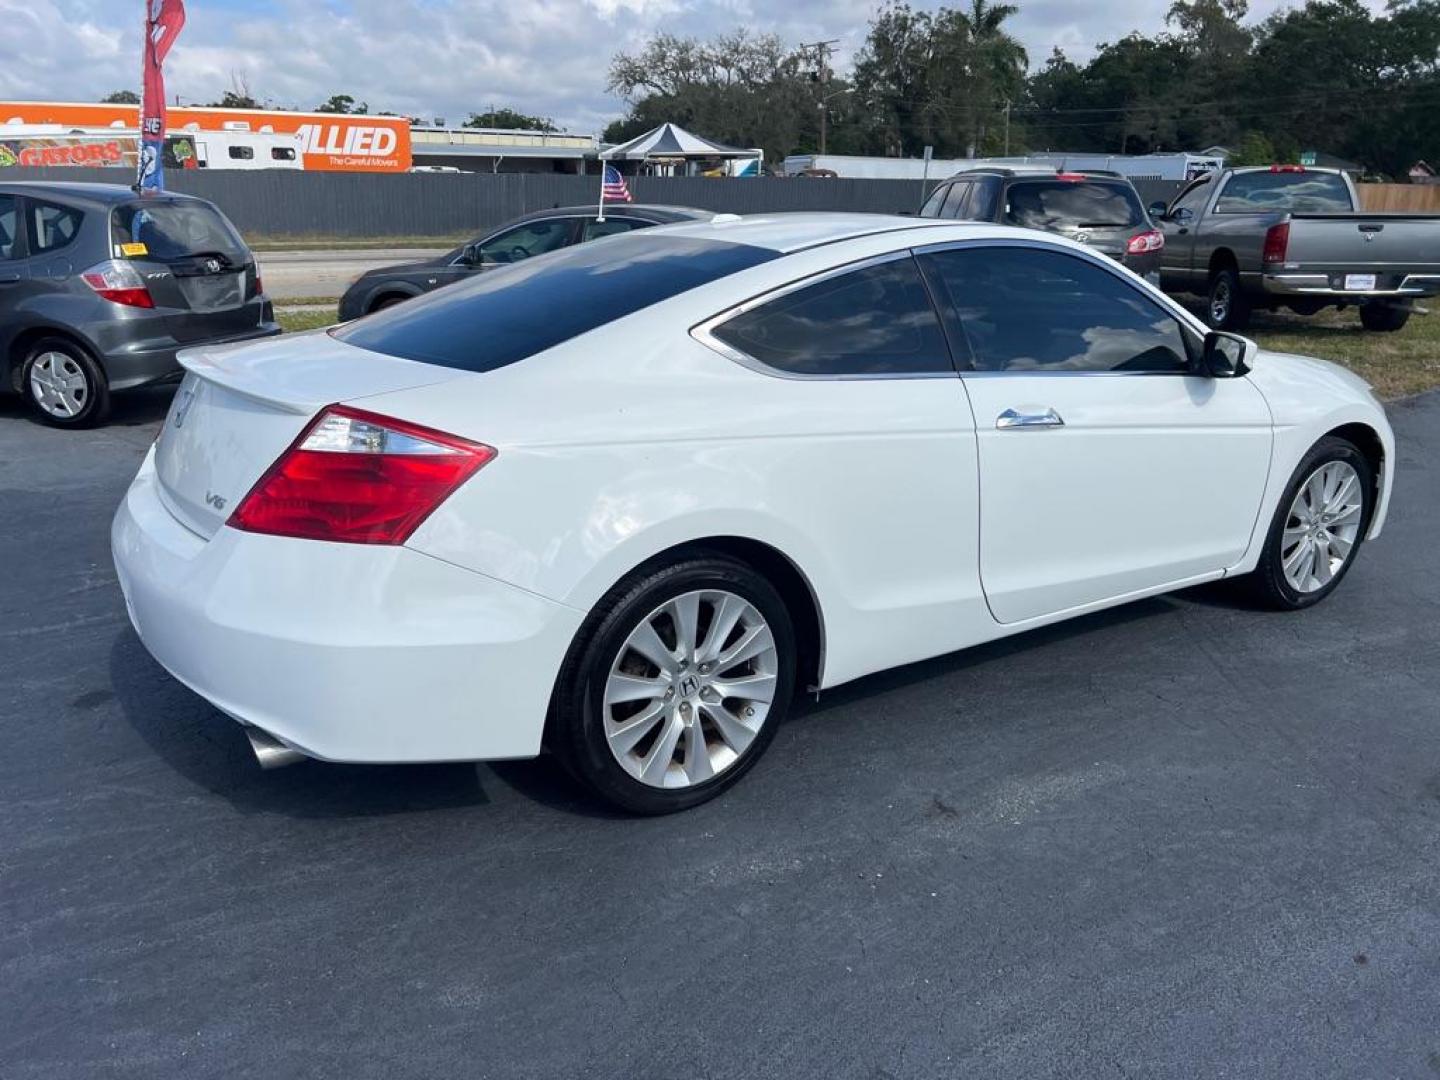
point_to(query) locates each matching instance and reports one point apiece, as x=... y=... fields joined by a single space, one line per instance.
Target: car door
x=1181 y=228
x=1107 y=466
x=14 y=274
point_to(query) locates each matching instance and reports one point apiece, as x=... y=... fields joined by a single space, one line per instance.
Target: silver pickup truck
x=1290 y=236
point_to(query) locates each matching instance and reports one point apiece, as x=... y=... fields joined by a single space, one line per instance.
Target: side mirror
x=1228 y=356
x=471 y=255
x=1157 y=210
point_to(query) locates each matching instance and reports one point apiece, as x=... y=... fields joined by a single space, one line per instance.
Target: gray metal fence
x=355 y=205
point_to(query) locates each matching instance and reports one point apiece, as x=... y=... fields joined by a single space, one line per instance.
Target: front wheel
x=676 y=685
x=1228 y=308
x=1318 y=527
x=1383 y=318
x=64 y=385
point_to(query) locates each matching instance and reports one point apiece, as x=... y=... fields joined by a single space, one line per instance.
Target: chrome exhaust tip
x=270 y=752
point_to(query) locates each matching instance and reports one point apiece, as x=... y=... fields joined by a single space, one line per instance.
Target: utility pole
x=822 y=54
x=1007 y=127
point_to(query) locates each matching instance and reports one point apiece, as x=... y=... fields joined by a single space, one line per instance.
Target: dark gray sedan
x=522 y=238
x=99 y=287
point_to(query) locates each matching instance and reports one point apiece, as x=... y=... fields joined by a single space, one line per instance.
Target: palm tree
x=997 y=63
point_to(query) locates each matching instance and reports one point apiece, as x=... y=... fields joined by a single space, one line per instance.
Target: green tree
x=343 y=103
x=510 y=120
x=121 y=97
x=233 y=99
x=739 y=88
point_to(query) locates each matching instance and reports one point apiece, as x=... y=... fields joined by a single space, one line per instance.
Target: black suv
x=100 y=286
x=1101 y=209
x=533 y=234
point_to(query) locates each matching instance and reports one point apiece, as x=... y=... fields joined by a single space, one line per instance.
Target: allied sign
x=333 y=142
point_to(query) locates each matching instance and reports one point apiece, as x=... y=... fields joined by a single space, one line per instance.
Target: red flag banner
x=163 y=20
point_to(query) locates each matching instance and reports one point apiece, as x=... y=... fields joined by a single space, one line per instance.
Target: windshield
x=173 y=231
x=512 y=312
x=1299 y=192
x=1060 y=204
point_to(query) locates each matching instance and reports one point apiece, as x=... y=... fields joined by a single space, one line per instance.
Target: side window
x=523 y=241
x=935 y=202
x=9 y=225
x=877 y=320
x=609 y=227
x=52 y=227
x=1193 y=198
x=282 y=153
x=984 y=199
x=1027 y=309
x=242 y=153
x=956 y=201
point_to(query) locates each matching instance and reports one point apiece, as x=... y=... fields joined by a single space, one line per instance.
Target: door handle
x=9 y=279
x=1010 y=418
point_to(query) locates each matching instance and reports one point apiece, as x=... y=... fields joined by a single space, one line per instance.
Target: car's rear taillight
x=1277 y=243
x=259 y=285
x=1145 y=242
x=118 y=282
x=358 y=478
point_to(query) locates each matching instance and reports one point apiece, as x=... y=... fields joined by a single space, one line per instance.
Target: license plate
x=1359 y=282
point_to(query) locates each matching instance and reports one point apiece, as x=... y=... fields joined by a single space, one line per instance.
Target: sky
x=447 y=58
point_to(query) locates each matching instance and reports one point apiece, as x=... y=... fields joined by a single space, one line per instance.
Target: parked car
x=628 y=500
x=1100 y=209
x=533 y=234
x=100 y=286
x=1294 y=237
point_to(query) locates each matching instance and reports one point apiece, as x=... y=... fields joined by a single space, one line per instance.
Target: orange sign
x=332 y=142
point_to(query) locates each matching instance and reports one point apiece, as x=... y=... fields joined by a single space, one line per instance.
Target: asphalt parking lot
x=1179 y=839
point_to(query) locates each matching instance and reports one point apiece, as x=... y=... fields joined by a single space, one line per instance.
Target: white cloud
x=448 y=57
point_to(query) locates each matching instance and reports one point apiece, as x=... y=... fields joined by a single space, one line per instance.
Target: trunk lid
x=240 y=406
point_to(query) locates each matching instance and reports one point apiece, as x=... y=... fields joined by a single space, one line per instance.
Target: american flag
x=612 y=186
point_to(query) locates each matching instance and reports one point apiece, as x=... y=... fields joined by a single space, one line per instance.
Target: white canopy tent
x=669 y=148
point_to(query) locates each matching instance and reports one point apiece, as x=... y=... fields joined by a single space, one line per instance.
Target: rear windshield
x=1302 y=193
x=506 y=314
x=1058 y=204
x=173 y=231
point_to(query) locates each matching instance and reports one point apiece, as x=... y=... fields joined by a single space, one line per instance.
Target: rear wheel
x=1227 y=308
x=676 y=686
x=63 y=384
x=388 y=302
x=1317 y=529
x=1383 y=318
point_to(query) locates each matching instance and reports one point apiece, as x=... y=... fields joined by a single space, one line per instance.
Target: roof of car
x=1035 y=172
x=787 y=232
x=105 y=194
x=649 y=211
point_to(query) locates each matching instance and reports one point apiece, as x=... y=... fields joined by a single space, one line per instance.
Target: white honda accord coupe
x=626 y=499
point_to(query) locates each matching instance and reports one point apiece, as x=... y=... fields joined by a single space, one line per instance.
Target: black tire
x=1226 y=305
x=576 y=731
x=1383 y=318
x=88 y=383
x=387 y=302
x=1267 y=583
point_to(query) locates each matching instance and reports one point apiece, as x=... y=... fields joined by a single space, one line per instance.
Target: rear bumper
x=1330 y=287
x=134 y=363
x=345 y=652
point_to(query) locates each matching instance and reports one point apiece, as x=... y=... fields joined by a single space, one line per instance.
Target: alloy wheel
x=1220 y=303
x=59 y=384
x=690 y=689
x=1322 y=526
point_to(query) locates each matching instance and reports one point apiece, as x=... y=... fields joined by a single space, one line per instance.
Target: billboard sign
x=333 y=142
